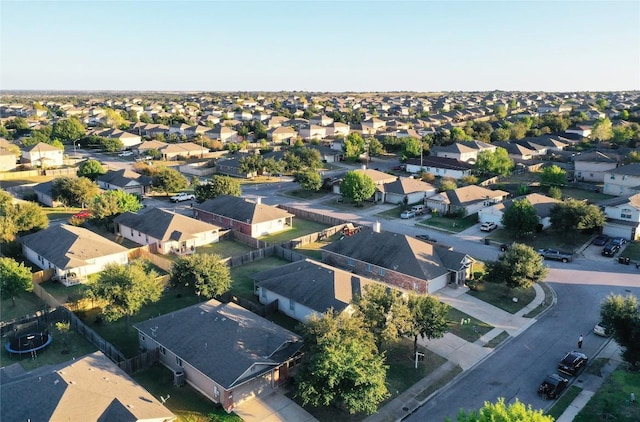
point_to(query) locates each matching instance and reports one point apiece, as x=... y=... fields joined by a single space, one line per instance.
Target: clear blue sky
x=320 y=45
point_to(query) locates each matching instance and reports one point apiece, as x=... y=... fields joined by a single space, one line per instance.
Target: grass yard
x=454 y=225
x=345 y=204
x=545 y=239
x=306 y=194
x=564 y=401
x=548 y=298
x=224 y=248
x=494 y=342
x=185 y=402
x=393 y=212
x=632 y=250
x=300 y=228
x=312 y=250
x=60 y=213
x=500 y=296
x=590 y=195
x=64 y=294
x=469 y=331
x=242 y=284
x=26 y=303
x=611 y=401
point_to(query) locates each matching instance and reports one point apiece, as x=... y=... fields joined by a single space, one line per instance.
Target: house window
x=179 y=362
x=625 y=213
x=381 y=271
x=163 y=351
x=142 y=338
x=350 y=262
x=612 y=177
x=292 y=305
x=369 y=267
x=40 y=258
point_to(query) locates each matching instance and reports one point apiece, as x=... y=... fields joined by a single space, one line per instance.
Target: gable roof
x=628 y=170
x=398 y=252
x=313 y=284
x=375 y=175
x=124 y=177
x=406 y=185
x=68 y=246
x=238 y=338
x=441 y=162
x=240 y=209
x=164 y=225
x=541 y=203
x=597 y=157
x=42 y=147
x=472 y=193
x=91 y=388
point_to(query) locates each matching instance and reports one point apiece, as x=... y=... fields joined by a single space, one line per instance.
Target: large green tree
x=622 y=315
x=125 y=289
x=205 y=273
x=91 y=169
x=520 y=218
x=357 y=186
x=353 y=146
x=574 y=215
x=169 y=180
x=519 y=267
x=74 y=192
x=553 y=176
x=428 y=318
x=602 y=130
x=494 y=163
x=112 y=203
x=14 y=279
x=19 y=217
x=500 y=411
x=309 y=180
x=342 y=366
x=219 y=185
x=68 y=130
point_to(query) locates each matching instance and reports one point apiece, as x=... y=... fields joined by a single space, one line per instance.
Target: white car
x=488 y=227
x=125 y=154
x=183 y=196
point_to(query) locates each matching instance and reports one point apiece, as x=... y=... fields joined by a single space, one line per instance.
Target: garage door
x=614 y=230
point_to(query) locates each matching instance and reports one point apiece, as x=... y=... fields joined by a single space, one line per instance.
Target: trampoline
x=29 y=343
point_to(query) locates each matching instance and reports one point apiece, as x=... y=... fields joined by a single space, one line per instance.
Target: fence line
x=314 y=216
x=140 y=362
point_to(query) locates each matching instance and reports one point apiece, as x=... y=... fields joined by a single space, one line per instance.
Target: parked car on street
x=426 y=238
x=610 y=249
x=125 y=154
x=407 y=214
x=505 y=247
x=573 y=363
x=552 y=386
x=601 y=329
x=555 y=254
x=183 y=196
x=600 y=240
x=83 y=214
x=488 y=226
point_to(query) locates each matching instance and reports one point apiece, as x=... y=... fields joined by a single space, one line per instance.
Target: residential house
x=226 y=352
x=439 y=166
x=624 y=180
x=282 y=134
x=541 y=203
x=309 y=132
x=516 y=151
x=8 y=160
x=251 y=218
x=305 y=288
x=582 y=130
x=622 y=217
x=223 y=133
x=400 y=261
x=230 y=166
x=592 y=166
x=183 y=150
x=165 y=231
x=336 y=129
x=72 y=252
x=321 y=120
x=125 y=180
x=372 y=126
x=458 y=151
x=43 y=155
x=466 y=200
x=128 y=139
x=86 y=388
x=327 y=154
x=44 y=195
x=378 y=177
x=406 y=190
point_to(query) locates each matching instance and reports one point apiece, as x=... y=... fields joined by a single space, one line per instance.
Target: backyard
x=300 y=228
x=26 y=303
x=242 y=284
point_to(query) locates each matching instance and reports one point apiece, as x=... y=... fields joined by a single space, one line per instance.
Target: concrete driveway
x=274 y=407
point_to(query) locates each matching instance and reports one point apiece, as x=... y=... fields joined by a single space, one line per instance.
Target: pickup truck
x=555 y=254
x=183 y=197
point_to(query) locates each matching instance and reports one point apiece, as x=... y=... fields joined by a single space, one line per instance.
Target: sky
x=320 y=46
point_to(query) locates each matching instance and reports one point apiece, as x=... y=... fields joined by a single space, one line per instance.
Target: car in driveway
x=488 y=226
x=601 y=329
x=183 y=196
x=610 y=249
x=620 y=241
x=83 y=214
x=125 y=154
x=407 y=214
x=572 y=363
x=600 y=240
x=552 y=386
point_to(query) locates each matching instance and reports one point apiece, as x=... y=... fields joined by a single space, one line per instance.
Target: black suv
x=573 y=363
x=610 y=249
x=552 y=386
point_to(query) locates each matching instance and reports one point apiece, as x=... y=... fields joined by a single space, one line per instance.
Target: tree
x=111 y=144
x=342 y=366
x=219 y=185
x=17 y=123
x=169 y=180
x=112 y=203
x=74 y=192
x=14 y=279
x=354 y=146
x=520 y=218
x=114 y=119
x=622 y=315
x=206 y=273
x=375 y=147
x=252 y=164
x=384 y=312
x=70 y=129
x=20 y=217
x=91 y=169
x=428 y=318
x=500 y=411
x=411 y=148
x=553 y=176
x=63 y=329
x=309 y=180
x=555 y=192
x=357 y=186
x=500 y=111
x=125 y=289
x=602 y=130
x=497 y=162
x=519 y=267
x=447 y=184
x=632 y=157
x=458 y=135
x=574 y=215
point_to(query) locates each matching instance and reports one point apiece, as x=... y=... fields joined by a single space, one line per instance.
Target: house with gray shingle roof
x=165 y=231
x=592 y=166
x=251 y=218
x=43 y=155
x=88 y=388
x=415 y=191
x=125 y=180
x=72 y=252
x=542 y=204
x=624 y=180
x=305 y=288
x=44 y=194
x=400 y=261
x=226 y=352
x=622 y=217
x=467 y=199
x=439 y=166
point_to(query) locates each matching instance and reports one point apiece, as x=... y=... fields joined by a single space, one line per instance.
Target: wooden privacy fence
x=41 y=318
x=314 y=216
x=158 y=261
x=236 y=261
x=140 y=362
x=94 y=338
x=41 y=276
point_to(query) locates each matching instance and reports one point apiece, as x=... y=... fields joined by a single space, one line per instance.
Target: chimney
x=376 y=227
x=258 y=200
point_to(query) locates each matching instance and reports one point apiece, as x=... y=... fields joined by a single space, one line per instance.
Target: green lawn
x=225 y=248
x=632 y=250
x=455 y=225
x=26 y=303
x=62 y=293
x=546 y=239
x=300 y=228
x=611 y=401
x=590 y=195
x=564 y=401
x=500 y=296
x=494 y=342
x=242 y=284
x=185 y=402
x=469 y=331
x=60 y=213
x=306 y=194
x=312 y=250
x=548 y=298
x=393 y=212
